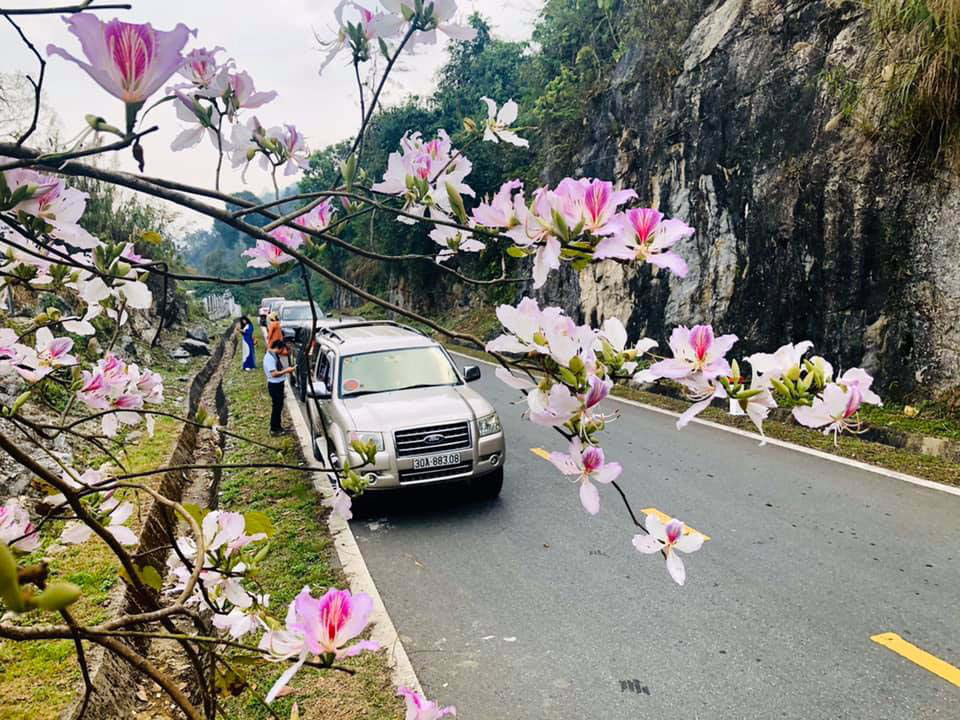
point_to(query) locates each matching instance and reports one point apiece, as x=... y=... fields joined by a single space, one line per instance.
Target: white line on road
x=383 y=630
x=771 y=441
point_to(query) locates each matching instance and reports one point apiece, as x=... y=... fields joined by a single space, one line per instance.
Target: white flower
x=668 y=539
x=498 y=123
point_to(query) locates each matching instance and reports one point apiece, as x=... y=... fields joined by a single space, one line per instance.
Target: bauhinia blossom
x=453 y=241
x=586 y=465
x=643 y=234
x=553 y=408
x=419 y=708
x=668 y=539
x=114 y=385
x=205 y=74
x=51 y=202
x=118 y=513
x=695 y=351
x=50 y=354
x=130 y=61
x=320 y=627
x=266 y=254
x=240 y=94
x=836 y=409
x=399 y=12
x=497 y=126
x=16 y=530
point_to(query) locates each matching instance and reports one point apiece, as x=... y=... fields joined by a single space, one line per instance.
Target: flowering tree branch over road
x=564 y=370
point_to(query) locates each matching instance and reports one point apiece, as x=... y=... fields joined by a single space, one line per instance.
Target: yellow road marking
x=911 y=652
x=664 y=518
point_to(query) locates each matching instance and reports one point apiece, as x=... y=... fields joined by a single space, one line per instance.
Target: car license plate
x=435 y=461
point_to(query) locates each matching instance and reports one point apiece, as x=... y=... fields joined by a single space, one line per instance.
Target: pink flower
x=266 y=254
x=51 y=201
x=498 y=124
x=695 y=350
x=600 y=204
x=241 y=94
x=16 y=530
x=359 y=18
x=553 y=408
x=642 y=234
x=319 y=217
x=50 y=354
x=319 y=627
x=668 y=539
x=204 y=73
x=226 y=529
x=501 y=211
x=419 y=708
x=861 y=380
x=833 y=410
x=586 y=464
x=293 y=149
x=129 y=61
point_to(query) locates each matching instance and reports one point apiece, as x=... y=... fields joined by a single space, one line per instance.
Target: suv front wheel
x=488 y=487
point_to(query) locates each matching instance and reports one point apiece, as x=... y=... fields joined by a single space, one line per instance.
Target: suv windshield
x=298 y=312
x=395 y=370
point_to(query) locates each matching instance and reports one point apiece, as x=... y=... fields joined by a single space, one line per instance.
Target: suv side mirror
x=318 y=390
x=471 y=373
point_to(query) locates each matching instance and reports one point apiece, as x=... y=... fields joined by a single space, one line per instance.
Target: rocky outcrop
x=803 y=232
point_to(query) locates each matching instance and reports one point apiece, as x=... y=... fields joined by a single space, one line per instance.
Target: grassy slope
x=923 y=466
x=91 y=566
x=301 y=554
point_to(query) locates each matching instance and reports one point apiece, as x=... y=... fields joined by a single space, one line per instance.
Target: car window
x=298 y=312
x=324 y=368
x=395 y=370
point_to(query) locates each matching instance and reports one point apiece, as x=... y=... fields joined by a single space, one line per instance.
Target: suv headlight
x=489 y=424
x=367 y=437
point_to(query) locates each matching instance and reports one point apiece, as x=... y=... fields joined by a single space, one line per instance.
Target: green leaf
x=154 y=238
x=196 y=512
x=150 y=577
x=517 y=252
x=257 y=522
x=9 y=584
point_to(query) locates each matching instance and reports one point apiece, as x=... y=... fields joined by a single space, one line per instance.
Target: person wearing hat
x=276 y=374
x=275 y=332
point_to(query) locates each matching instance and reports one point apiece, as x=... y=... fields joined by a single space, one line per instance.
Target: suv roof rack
x=332 y=331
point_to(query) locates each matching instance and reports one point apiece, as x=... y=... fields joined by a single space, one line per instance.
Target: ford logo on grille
x=435 y=438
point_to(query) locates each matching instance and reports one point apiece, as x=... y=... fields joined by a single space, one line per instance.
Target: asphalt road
x=526 y=608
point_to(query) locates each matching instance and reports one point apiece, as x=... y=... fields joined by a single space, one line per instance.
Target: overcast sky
x=273 y=40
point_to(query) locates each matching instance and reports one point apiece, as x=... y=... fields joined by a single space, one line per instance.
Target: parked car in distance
x=296 y=319
x=389 y=384
x=264 y=309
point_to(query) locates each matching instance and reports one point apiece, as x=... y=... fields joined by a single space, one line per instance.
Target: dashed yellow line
x=664 y=518
x=930 y=663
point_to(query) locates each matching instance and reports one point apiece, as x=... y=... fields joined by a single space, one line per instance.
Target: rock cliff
x=803 y=232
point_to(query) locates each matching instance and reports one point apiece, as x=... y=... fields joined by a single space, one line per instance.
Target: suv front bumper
x=484 y=456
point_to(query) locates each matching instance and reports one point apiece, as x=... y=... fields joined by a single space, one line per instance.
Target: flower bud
x=57 y=596
x=470 y=125
x=9 y=585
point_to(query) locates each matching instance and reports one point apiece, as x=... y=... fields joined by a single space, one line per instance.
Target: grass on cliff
x=852 y=447
x=301 y=554
x=38 y=680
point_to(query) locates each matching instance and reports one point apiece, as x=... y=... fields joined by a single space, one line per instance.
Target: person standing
x=275 y=334
x=247 y=353
x=275 y=378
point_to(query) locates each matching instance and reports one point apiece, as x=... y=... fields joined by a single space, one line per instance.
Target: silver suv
x=387 y=383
